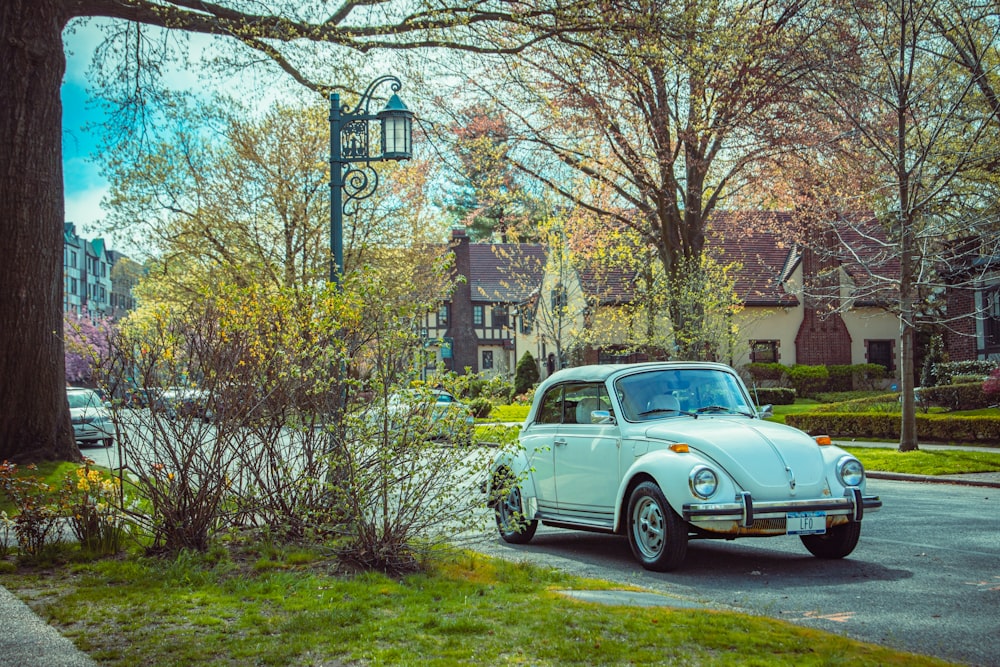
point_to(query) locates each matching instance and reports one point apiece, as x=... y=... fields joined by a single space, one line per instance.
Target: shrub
x=772 y=373
x=969 y=396
x=991 y=387
x=808 y=380
x=481 y=407
x=981 y=369
x=39 y=509
x=526 y=374
x=773 y=395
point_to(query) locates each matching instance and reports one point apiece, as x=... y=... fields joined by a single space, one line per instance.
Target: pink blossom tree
x=86 y=341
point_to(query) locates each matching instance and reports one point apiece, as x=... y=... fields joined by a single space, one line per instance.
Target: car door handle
x=559 y=443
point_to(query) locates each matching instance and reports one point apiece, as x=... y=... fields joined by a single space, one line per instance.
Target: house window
x=527 y=318
x=443 y=315
x=764 y=351
x=559 y=299
x=500 y=318
x=487 y=359
x=991 y=319
x=477 y=315
x=880 y=352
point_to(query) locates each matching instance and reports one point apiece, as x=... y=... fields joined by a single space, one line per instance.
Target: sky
x=83 y=185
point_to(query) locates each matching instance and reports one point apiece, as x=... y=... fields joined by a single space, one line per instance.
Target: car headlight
x=703 y=482
x=850 y=471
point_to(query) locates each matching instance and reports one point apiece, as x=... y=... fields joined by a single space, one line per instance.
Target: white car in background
x=90 y=416
x=668 y=452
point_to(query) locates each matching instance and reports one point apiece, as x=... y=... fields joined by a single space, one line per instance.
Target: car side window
x=550 y=410
x=580 y=400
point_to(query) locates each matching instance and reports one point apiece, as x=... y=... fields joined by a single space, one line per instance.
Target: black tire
x=837 y=542
x=656 y=534
x=107 y=442
x=507 y=508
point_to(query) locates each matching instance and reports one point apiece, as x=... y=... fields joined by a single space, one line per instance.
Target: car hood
x=767 y=459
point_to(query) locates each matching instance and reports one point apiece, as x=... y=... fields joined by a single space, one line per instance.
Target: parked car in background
x=668 y=452
x=184 y=402
x=447 y=418
x=90 y=417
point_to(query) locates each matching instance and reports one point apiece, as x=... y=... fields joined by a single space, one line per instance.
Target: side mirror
x=601 y=417
x=765 y=411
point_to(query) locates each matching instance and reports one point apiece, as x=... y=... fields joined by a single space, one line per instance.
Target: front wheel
x=509 y=511
x=656 y=534
x=836 y=542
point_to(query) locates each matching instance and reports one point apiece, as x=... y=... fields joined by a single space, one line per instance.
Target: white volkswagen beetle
x=671 y=451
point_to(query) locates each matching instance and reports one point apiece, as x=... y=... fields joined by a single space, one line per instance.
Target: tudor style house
x=800 y=306
x=486 y=324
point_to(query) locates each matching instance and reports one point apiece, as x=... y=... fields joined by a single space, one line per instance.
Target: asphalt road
x=925 y=577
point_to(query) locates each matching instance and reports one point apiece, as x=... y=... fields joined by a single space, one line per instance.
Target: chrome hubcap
x=648 y=528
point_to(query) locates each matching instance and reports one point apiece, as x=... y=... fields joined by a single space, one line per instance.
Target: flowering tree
x=86 y=344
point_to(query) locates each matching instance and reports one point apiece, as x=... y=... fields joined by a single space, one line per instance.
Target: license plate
x=805 y=523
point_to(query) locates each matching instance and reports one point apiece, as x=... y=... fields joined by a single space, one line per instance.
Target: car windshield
x=83 y=399
x=669 y=393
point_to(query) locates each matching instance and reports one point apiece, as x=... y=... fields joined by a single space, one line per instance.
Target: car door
x=538 y=441
x=586 y=455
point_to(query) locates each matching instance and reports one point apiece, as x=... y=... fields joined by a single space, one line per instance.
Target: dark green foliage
x=935 y=356
x=481 y=407
x=808 y=380
x=968 y=396
x=526 y=375
x=773 y=395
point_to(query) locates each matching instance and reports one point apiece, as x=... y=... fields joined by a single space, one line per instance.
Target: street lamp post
x=351 y=145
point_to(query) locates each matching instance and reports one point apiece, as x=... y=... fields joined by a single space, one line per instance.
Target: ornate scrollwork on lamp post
x=352 y=176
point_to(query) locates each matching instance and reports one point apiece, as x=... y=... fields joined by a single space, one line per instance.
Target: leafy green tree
x=226 y=198
x=487 y=194
x=651 y=120
x=911 y=122
x=32 y=63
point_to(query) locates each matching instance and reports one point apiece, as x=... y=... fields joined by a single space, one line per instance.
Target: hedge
x=968 y=396
x=773 y=395
x=885 y=426
x=808 y=380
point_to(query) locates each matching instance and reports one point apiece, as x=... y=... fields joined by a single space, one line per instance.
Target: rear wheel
x=108 y=442
x=509 y=511
x=656 y=534
x=836 y=542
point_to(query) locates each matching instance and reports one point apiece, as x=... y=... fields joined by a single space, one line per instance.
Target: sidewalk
x=27 y=641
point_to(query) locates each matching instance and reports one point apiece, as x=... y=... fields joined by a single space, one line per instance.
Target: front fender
x=671 y=472
x=516 y=463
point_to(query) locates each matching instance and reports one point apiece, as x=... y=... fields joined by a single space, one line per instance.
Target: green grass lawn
x=926 y=462
x=294 y=608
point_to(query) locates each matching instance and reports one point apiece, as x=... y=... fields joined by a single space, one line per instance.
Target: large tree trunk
x=34 y=415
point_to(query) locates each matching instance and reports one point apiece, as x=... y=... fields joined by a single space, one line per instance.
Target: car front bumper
x=93 y=431
x=745 y=510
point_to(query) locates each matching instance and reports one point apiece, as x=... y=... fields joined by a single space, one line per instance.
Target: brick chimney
x=465 y=344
